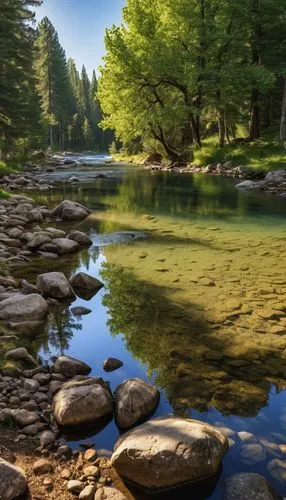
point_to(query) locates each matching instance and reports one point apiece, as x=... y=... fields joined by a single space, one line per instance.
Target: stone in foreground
x=85 y=286
x=55 y=285
x=135 y=400
x=169 y=451
x=20 y=306
x=248 y=486
x=12 y=481
x=70 y=210
x=109 y=494
x=82 y=402
x=68 y=366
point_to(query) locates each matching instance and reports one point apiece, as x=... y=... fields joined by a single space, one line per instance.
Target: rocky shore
x=272 y=183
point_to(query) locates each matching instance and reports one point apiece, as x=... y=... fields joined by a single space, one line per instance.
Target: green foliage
x=181 y=69
x=4 y=195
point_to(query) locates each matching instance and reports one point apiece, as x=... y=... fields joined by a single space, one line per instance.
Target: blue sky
x=81 y=26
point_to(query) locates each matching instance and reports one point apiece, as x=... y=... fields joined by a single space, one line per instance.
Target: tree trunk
x=283 y=115
x=221 y=129
x=195 y=125
x=51 y=137
x=266 y=117
x=254 y=124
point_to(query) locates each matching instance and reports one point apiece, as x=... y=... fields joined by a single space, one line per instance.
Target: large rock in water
x=64 y=245
x=135 y=400
x=55 y=285
x=12 y=481
x=68 y=366
x=81 y=238
x=84 y=402
x=248 y=486
x=70 y=210
x=20 y=306
x=169 y=451
x=85 y=286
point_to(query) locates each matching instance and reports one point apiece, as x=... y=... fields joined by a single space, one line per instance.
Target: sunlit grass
x=267 y=153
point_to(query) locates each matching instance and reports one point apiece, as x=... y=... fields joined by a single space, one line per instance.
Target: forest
x=179 y=71
x=44 y=100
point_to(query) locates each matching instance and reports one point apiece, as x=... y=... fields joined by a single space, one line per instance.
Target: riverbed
x=194 y=301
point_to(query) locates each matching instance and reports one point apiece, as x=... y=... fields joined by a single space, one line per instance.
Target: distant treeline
x=44 y=100
x=179 y=70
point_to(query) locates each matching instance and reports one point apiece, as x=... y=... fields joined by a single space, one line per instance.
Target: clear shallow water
x=182 y=302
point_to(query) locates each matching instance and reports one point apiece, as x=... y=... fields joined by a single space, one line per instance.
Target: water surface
x=194 y=300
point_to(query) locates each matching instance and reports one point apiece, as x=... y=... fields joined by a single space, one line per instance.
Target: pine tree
x=18 y=113
x=53 y=83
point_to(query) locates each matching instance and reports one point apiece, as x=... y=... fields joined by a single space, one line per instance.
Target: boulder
x=70 y=210
x=24 y=417
x=21 y=354
x=81 y=238
x=248 y=485
x=55 y=285
x=70 y=367
x=135 y=400
x=20 y=306
x=85 y=286
x=64 y=245
x=13 y=483
x=276 y=176
x=39 y=240
x=82 y=402
x=169 y=451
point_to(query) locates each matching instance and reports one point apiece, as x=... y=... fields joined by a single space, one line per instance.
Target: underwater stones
x=13 y=483
x=277 y=469
x=248 y=485
x=55 y=285
x=266 y=313
x=82 y=402
x=69 y=210
x=169 y=451
x=81 y=238
x=85 y=286
x=69 y=367
x=246 y=437
x=278 y=330
x=42 y=466
x=135 y=400
x=20 y=306
x=252 y=454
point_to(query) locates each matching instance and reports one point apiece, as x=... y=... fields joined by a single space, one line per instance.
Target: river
x=194 y=301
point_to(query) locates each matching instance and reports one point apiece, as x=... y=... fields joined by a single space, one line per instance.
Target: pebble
x=90 y=455
x=42 y=466
x=75 y=486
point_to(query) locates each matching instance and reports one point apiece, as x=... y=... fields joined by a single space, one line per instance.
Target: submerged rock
x=169 y=451
x=20 y=306
x=82 y=402
x=249 y=486
x=135 y=400
x=80 y=311
x=70 y=367
x=13 y=483
x=55 y=285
